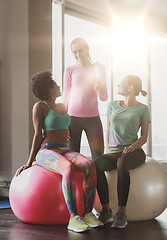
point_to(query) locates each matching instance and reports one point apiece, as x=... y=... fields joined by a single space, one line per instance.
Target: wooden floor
x=12 y=229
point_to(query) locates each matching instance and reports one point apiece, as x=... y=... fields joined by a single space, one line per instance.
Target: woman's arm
x=100 y=84
x=141 y=141
x=37 y=139
x=108 y=131
x=66 y=88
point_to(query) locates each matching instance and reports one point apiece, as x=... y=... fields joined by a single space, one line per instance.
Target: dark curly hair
x=41 y=83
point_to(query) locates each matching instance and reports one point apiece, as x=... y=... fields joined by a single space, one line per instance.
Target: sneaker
x=106 y=216
x=120 y=221
x=76 y=224
x=91 y=220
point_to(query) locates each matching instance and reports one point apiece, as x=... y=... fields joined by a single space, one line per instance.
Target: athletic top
x=79 y=96
x=55 y=120
x=125 y=124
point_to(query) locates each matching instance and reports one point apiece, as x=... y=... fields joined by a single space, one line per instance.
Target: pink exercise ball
x=36 y=196
x=147 y=195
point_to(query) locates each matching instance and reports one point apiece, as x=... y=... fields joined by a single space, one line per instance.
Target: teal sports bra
x=55 y=120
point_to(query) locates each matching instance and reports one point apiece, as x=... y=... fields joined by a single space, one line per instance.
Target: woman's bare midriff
x=59 y=136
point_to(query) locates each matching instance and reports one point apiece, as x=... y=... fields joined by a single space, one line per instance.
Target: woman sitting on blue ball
x=50 y=149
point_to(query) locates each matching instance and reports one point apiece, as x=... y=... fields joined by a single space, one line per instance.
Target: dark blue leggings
x=123 y=163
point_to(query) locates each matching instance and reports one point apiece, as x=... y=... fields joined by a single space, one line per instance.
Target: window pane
x=159 y=98
x=130 y=63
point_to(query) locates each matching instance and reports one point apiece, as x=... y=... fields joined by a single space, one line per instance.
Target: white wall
x=14 y=109
x=25 y=49
x=5 y=93
x=19 y=82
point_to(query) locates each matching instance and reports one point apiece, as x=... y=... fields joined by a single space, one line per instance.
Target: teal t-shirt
x=125 y=124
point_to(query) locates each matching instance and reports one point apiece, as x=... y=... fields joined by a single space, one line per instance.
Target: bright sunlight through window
x=128 y=39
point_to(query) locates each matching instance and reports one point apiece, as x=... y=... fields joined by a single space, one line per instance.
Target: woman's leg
x=94 y=132
x=75 y=130
x=125 y=163
x=57 y=163
x=105 y=162
x=87 y=167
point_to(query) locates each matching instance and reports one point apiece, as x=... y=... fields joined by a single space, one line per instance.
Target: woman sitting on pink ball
x=50 y=150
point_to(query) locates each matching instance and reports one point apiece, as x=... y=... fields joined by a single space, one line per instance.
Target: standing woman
x=125 y=118
x=83 y=83
x=50 y=149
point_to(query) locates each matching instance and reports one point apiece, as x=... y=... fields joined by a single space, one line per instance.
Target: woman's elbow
x=145 y=138
x=38 y=137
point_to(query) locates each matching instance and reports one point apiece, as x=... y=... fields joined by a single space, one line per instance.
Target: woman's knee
x=130 y=161
x=105 y=163
x=67 y=169
x=89 y=166
x=122 y=163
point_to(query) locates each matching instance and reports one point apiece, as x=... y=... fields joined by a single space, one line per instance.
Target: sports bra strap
x=47 y=104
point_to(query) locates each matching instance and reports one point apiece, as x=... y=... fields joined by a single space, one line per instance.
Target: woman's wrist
x=29 y=163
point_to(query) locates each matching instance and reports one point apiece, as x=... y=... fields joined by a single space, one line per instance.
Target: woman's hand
x=22 y=168
x=128 y=149
x=142 y=140
x=68 y=135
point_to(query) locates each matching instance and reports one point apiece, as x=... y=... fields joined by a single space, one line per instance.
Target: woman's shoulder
x=143 y=106
x=114 y=103
x=113 y=106
x=62 y=106
x=71 y=68
x=144 y=112
x=40 y=106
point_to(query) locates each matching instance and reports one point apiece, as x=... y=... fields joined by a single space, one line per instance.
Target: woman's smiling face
x=80 y=53
x=123 y=87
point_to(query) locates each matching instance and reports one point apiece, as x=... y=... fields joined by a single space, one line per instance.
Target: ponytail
x=144 y=93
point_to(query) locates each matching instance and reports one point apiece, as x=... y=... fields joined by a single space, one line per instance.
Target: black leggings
x=94 y=132
x=122 y=162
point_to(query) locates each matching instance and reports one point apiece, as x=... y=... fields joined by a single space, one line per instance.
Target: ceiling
x=157 y=6
x=152 y=13
x=123 y=6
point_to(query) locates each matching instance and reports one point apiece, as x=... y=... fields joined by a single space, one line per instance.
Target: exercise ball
x=147 y=194
x=36 y=196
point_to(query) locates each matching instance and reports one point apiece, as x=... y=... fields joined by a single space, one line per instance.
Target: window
x=128 y=49
x=159 y=97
